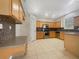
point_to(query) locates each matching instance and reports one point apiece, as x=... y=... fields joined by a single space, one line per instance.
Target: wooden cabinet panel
x=12 y=8
x=58 y=24
x=40 y=23
x=15 y=8
x=51 y=25
x=55 y=25
x=62 y=35
x=52 y=35
x=5 y=7
x=40 y=35
x=71 y=43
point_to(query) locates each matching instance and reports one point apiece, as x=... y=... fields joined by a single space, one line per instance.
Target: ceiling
x=51 y=9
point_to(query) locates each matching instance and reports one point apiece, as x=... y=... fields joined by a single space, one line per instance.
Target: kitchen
x=34 y=29
x=53 y=29
x=69 y=34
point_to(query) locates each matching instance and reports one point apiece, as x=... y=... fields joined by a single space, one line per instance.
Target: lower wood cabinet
x=52 y=34
x=71 y=43
x=40 y=35
x=62 y=35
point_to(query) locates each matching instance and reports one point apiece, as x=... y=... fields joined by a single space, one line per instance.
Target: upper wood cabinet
x=55 y=25
x=62 y=35
x=5 y=8
x=51 y=24
x=12 y=8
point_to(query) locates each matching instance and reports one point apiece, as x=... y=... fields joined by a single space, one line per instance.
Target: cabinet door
x=5 y=7
x=51 y=25
x=15 y=8
x=62 y=35
x=20 y=14
x=57 y=24
x=40 y=35
x=52 y=34
x=21 y=10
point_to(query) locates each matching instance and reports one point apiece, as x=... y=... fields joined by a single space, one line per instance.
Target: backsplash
x=7 y=31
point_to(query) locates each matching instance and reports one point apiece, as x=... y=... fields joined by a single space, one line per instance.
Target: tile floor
x=48 y=49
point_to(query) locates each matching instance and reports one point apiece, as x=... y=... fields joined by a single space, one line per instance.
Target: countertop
x=72 y=33
x=18 y=41
x=60 y=30
x=66 y=31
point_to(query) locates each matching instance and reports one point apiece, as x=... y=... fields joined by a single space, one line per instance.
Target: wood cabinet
x=54 y=25
x=12 y=8
x=5 y=8
x=52 y=34
x=62 y=35
x=57 y=25
x=71 y=43
x=51 y=24
x=40 y=35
